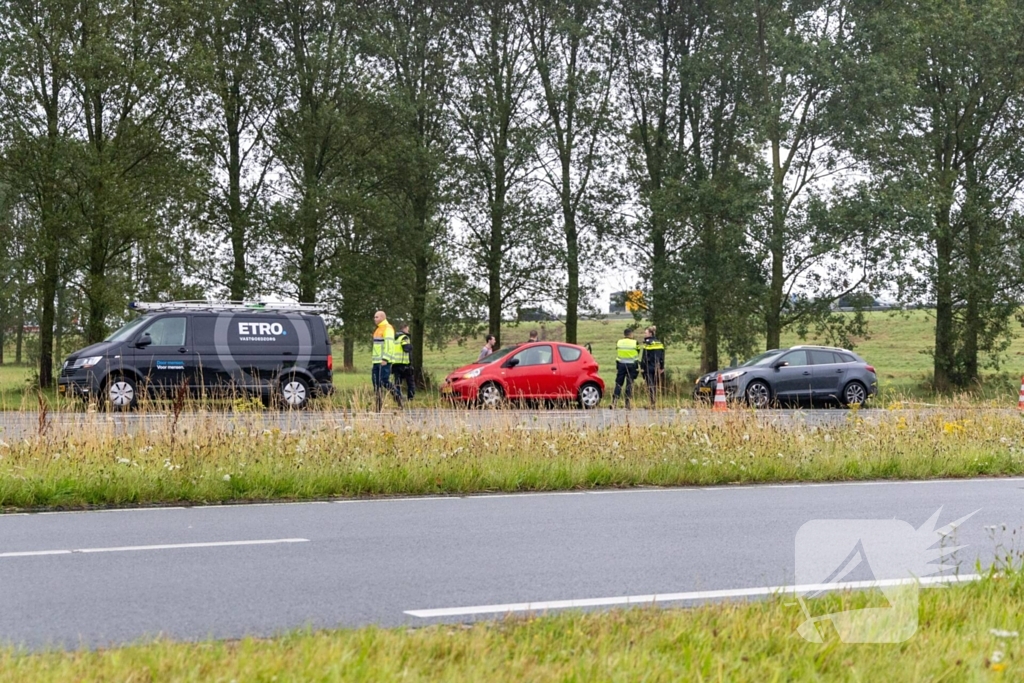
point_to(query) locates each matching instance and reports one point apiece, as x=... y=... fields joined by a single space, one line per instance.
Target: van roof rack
x=240 y=306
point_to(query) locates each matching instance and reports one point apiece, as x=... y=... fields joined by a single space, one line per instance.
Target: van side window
x=167 y=332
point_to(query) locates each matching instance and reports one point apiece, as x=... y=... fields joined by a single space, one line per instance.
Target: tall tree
x=414 y=42
x=127 y=86
x=946 y=129
x=800 y=50
x=508 y=245
x=692 y=158
x=232 y=73
x=35 y=114
x=575 y=50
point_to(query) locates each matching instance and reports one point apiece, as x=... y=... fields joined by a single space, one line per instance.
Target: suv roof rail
x=240 y=306
x=818 y=346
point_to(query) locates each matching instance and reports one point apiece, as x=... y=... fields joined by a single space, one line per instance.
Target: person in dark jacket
x=402 y=366
x=652 y=363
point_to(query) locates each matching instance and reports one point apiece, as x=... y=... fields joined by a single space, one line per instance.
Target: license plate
x=61 y=389
x=705 y=390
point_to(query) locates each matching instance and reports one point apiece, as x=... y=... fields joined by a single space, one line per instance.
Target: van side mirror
x=143 y=341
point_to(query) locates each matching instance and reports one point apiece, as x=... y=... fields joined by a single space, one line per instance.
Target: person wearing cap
x=627 y=358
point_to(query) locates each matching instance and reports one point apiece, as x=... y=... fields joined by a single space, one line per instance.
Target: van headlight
x=472 y=373
x=87 y=362
x=733 y=375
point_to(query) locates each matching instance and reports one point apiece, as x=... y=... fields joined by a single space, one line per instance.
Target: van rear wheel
x=294 y=393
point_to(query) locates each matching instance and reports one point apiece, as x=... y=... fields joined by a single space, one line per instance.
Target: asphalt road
x=99 y=578
x=20 y=425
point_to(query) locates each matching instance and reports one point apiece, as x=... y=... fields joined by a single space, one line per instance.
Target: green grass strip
x=221 y=460
x=964 y=634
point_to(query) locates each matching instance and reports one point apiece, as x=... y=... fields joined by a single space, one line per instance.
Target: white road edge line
x=679 y=597
x=166 y=546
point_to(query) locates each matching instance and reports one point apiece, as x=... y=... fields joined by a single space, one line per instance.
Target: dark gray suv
x=801 y=374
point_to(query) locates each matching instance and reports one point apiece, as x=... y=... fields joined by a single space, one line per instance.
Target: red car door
x=570 y=368
x=531 y=373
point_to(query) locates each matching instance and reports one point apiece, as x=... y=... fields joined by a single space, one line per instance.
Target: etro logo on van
x=260 y=332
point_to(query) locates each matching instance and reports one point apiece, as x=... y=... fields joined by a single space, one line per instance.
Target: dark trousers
x=382 y=383
x=652 y=378
x=403 y=372
x=625 y=373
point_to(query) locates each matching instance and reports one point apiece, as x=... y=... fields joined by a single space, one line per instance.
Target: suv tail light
x=870 y=368
x=330 y=362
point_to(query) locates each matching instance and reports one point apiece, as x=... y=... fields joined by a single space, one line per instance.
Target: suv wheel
x=121 y=393
x=294 y=393
x=854 y=394
x=759 y=395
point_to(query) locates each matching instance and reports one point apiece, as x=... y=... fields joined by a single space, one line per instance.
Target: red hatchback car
x=537 y=371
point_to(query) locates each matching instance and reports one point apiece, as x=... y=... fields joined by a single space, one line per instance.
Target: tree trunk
x=348 y=353
x=496 y=249
x=236 y=219
x=419 y=315
x=19 y=337
x=96 y=289
x=572 y=292
x=659 y=271
x=776 y=242
x=945 y=350
x=47 y=295
x=58 y=336
x=709 y=341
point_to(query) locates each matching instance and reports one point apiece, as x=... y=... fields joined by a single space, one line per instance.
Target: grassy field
x=965 y=633
x=244 y=458
x=897 y=346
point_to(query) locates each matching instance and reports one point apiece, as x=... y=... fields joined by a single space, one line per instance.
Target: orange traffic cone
x=720 y=404
x=1020 y=401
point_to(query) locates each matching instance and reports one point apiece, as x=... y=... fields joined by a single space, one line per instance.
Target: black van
x=280 y=352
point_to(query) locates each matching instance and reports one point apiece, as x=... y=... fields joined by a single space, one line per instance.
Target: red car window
x=569 y=354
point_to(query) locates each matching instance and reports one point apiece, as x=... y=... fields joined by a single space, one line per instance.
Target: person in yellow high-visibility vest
x=627 y=366
x=383 y=357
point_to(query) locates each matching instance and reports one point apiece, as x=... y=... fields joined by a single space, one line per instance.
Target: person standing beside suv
x=383 y=355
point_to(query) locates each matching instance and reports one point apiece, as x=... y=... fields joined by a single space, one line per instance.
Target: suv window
x=795 y=358
x=823 y=357
x=535 y=355
x=167 y=332
x=569 y=354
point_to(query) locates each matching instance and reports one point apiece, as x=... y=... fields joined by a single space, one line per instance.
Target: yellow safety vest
x=401 y=355
x=384 y=343
x=626 y=351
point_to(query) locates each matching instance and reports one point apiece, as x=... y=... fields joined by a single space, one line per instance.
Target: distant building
x=629 y=301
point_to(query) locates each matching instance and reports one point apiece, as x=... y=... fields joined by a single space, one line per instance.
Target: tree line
x=754 y=161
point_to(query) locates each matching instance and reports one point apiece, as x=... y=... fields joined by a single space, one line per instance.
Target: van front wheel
x=121 y=393
x=294 y=393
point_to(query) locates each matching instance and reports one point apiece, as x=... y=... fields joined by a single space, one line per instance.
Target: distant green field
x=897 y=345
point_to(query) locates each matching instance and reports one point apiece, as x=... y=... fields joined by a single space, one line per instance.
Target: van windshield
x=127 y=331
